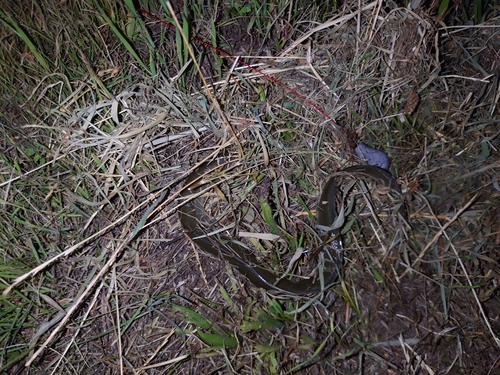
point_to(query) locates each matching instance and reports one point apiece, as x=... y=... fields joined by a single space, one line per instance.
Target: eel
x=223 y=247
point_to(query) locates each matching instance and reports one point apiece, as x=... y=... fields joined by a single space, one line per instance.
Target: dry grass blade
x=439 y=234
x=337 y=21
x=77 y=303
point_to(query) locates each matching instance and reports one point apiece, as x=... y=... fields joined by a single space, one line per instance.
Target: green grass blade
x=149 y=39
x=11 y=24
x=193 y=317
x=267 y=213
x=218 y=340
x=123 y=39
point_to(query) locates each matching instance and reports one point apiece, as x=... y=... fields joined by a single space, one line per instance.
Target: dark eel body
x=247 y=264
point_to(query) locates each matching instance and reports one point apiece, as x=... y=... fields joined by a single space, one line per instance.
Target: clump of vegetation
x=107 y=108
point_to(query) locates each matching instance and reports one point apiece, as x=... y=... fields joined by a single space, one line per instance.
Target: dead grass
x=97 y=274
